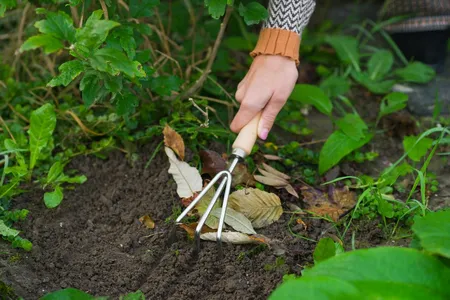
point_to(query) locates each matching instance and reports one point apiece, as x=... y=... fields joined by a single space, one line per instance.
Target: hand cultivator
x=242 y=147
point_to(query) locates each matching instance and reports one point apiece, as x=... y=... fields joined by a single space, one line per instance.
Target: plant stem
x=199 y=83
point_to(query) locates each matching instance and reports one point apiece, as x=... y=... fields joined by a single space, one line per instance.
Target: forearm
x=281 y=32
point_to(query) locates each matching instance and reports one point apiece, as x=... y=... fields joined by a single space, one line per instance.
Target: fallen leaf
x=186 y=201
x=212 y=162
x=291 y=190
x=260 y=207
x=272 y=181
x=300 y=221
x=188 y=178
x=235 y=219
x=212 y=221
x=174 y=141
x=272 y=157
x=190 y=229
x=241 y=175
x=233 y=238
x=147 y=221
x=275 y=172
x=333 y=203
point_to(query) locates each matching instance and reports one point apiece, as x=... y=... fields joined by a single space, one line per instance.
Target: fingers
x=269 y=115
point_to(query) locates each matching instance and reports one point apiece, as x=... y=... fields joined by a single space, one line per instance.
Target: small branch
x=104 y=8
x=199 y=83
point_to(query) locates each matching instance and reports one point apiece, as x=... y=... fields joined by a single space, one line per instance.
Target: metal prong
x=223 y=214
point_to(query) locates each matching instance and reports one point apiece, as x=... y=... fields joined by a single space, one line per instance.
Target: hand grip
x=248 y=135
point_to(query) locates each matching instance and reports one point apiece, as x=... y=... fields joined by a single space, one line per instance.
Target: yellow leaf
x=147 y=221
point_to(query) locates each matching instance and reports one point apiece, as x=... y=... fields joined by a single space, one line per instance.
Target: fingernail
x=264 y=133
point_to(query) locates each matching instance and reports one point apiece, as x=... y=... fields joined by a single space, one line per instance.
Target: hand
x=266 y=88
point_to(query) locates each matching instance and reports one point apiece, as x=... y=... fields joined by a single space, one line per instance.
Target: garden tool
x=242 y=147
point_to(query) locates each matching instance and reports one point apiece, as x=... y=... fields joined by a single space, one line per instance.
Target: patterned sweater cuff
x=275 y=41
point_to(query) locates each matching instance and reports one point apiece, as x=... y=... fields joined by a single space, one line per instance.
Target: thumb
x=269 y=115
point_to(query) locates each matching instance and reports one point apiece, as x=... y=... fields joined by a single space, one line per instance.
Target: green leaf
x=164 y=85
x=113 y=84
x=76 y=179
x=54 y=172
x=143 y=8
x=58 y=25
x=69 y=71
x=433 y=231
x=380 y=63
x=7 y=231
x=68 y=294
x=385 y=208
x=49 y=43
x=416 y=72
x=376 y=87
x=6 y=4
x=377 y=273
x=42 y=124
x=138 y=295
x=115 y=62
x=334 y=86
x=253 y=13
x=390 y=176
x=53 y=199
x=324 y=250
x=89 y=86
x=310 y=94
x=346 y=48
x=95 y=31
x=337 y=146
x=216 y=8
x=391 y=103
x=18 y=242
x=416 y=151
x=353 y=126
x=126 y=104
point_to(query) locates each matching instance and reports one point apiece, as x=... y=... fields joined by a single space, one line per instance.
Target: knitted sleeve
x=281 y=32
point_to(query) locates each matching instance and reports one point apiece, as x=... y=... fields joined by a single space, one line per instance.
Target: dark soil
x=94 y=241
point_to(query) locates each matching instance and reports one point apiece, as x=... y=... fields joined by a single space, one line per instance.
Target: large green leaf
x=95 y=31
x=90 y=87
x=337 y=146
x=253 y=13
x=58 y=25
x=433 y=231
x=377 y=273
x=42 y=124
x=6 y=4
x=335 y=85
x=353 y=126
x=115 y=62
x=48 y=42
x=346 y=48
x=68 y=72
x=380 y=63
x=53 y=199
x=216 y=8
x=313 y=95
x=416 y=151
x=416 y=72
x=376 y=87
x=126 y=104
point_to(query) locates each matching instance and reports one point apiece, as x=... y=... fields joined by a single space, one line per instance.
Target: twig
x=313 y=142
x=7 y=129
x=17 y=113
x=199 y=83
x=22 y=24
x=172 y=59
x=75 y=16
x=214 y=100
x=221 y=88
x=104 y=8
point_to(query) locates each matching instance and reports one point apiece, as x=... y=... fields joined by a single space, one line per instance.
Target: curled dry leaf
x=147 y=221
x=233 y=238
x=190 y=229
x=174 y=141
x=235 y=219
x=241 y=175
x=188 y=178
x=275 y=178
x=272 y=157
x=260 y=207
x=212 y=162
x=333 y=203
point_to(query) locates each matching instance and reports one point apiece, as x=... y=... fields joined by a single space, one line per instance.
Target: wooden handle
x=248 y=135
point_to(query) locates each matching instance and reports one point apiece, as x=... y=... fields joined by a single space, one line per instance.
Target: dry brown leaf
x=275 y=172
x=272 y=181
x=260 y=207
x=272 y=157
x=291 y=190
x=174 y=141
x=333 y=203
x=235 y=219
x=233 y=238
x=188 y=178
x=241 y=175
x=190 y=229
x=212 y=162
x=147 y=221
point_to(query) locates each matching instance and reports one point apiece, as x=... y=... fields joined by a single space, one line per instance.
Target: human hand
x=266 y=88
